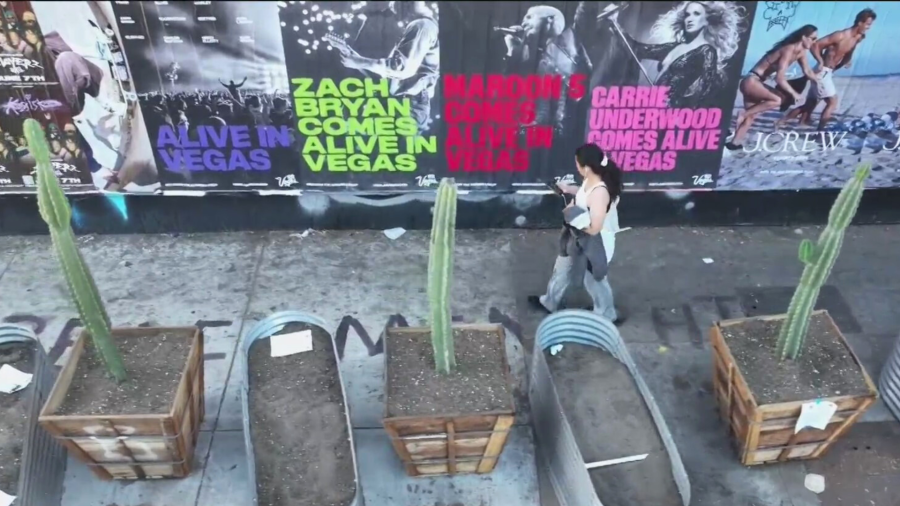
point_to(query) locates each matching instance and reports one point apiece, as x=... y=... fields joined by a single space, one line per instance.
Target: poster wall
x=380 y=96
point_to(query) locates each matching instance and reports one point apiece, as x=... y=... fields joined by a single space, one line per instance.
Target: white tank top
x=610 y=223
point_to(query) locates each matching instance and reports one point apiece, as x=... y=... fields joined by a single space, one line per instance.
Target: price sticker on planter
x=291 y=344
x=12 y=380
x=6 y=499
x=816 y=415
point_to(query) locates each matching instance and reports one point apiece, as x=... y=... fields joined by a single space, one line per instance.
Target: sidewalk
x=225 y=282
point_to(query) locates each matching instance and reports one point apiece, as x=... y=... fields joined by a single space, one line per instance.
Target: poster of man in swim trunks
x=820 y=92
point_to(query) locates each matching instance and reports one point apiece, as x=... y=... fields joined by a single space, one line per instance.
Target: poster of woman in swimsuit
x=664 y=79
x=820 y=93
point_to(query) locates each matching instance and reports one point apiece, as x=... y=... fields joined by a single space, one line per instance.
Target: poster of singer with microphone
x=536 y=65
x=662 y=88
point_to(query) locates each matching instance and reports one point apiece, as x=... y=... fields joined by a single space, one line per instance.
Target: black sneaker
x=733 y=147
x=536 y=303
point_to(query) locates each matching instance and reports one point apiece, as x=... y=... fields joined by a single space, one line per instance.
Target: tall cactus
x=440 y=273
x=55 y=210
x=819 y=259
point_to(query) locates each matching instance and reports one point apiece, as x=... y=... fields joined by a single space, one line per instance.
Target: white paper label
x=814 y=483
x=815 y=414
x=6 y=499
x=290 y=344
x=12 y=380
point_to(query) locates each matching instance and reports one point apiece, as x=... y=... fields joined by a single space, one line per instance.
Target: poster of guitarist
x=413 y=66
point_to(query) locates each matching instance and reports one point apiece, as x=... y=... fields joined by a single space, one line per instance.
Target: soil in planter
x=824 y=368
x=14 y=410
x=155 y=365
x=478 y=385
x=298 y=425
x=610 y=420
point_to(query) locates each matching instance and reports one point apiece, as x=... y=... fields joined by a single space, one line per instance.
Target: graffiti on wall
x=392 y=96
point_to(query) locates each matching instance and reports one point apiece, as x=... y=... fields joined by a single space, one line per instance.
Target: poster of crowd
x=365 y=81
x=33 y=84
x=820 y=93
x=211 y=81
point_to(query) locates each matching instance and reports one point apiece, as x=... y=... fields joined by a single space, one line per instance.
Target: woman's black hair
x=794 y=37
x=591 y=156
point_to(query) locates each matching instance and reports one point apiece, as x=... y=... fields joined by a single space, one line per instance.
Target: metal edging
x=889 y=382
x=262 y=330
x=43 y=466
x=568 y=475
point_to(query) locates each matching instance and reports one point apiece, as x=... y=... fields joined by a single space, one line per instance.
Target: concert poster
x=211 y=81
x=365 y=83
x=31 y=87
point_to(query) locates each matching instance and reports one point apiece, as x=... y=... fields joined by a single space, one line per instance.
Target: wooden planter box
x=155 y=445
x=765 y=433
x=450 y=443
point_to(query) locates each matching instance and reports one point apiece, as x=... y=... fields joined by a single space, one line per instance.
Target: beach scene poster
x=819 y=93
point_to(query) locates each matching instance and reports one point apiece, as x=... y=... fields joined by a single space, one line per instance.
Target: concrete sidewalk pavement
x=357 y=280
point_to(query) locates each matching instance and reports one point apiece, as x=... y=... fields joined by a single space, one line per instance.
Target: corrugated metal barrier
x=43 y=466
x=556 y=441
x=889 y=383
x=262 y=330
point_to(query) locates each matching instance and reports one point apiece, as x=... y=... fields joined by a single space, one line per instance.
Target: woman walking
x=588 y=240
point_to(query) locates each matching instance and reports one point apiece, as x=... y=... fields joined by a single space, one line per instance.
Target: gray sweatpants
x=600 y=291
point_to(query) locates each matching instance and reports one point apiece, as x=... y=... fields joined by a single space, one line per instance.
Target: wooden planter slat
x=450 y=443
x=765 y=433
x=131 y=447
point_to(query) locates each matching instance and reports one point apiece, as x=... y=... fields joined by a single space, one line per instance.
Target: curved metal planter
x=568 y=475
x=43 y=466
x=263 y=330
x=889 y=383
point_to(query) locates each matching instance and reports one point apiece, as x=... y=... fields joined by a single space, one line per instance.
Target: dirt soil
x=610 y=420
x=154 y=363
x=478 y=385
x=14 y=410
x=298 y=425
x=824 y=368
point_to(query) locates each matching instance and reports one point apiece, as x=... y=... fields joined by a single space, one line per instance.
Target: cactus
x=819 y=259
x=440 y=272
x=55 y=210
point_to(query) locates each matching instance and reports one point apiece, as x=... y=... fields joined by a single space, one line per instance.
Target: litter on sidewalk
x=612 y=462
x=12 y=380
